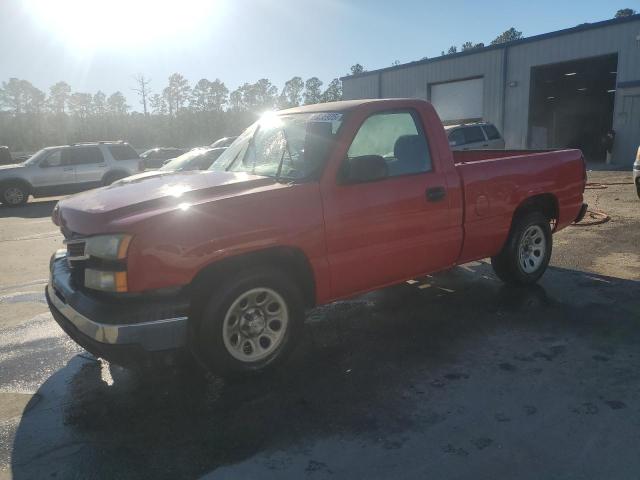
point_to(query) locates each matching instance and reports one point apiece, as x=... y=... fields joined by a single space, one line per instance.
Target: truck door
x=391 y=229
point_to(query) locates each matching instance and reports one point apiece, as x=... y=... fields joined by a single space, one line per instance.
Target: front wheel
x=526 y=255
x=250 y=324
x=14 y=194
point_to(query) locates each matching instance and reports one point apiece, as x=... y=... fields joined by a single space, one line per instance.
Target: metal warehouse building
x=561 y=89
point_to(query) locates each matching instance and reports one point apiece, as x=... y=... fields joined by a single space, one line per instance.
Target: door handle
x=485 y=145
x=67 y=169
x=102 y=164
x=435 y=194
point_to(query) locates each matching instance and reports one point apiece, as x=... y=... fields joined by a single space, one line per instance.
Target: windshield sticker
x=326 y=117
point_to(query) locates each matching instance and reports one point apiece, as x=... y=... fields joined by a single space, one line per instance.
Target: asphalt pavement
x=449 y=376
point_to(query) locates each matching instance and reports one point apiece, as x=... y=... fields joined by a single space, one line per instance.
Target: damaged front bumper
x=126 y=331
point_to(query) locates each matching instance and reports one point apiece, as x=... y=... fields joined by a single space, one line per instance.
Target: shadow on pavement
x=37 y=209
x=384 y=369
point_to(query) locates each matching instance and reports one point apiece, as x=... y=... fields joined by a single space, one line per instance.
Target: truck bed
x=495 y=182
x=471 y=156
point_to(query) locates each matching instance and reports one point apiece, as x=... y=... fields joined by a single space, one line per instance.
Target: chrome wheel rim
x=532 y=249
x=255 y=324
x=13 y=195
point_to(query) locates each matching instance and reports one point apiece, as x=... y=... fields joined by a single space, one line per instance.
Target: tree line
x=513 y=34
x=179 y=114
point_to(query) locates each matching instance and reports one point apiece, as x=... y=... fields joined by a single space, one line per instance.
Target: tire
x=14 y=194
x=250 y=323
x=110 y=178
x=525 y=256
x=638 y=189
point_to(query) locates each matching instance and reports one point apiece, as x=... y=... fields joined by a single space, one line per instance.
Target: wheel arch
x=21 y=181
x=546 y=203
x=290 y=259
x=115 y=174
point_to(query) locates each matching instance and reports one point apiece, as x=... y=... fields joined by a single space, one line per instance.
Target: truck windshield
x=288 y=147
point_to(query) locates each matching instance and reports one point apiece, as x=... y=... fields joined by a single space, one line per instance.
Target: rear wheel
x=526 y=255
x=14 y=194
x=250 y=324
x=112 y=177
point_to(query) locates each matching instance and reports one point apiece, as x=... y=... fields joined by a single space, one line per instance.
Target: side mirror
x=366 y=168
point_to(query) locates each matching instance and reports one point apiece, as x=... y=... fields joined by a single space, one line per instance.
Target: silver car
x=67 y=169
x=474 y=136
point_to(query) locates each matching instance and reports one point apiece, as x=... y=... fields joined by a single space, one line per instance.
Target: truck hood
x=140 y=196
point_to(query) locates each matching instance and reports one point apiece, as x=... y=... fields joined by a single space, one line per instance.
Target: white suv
x=67 y=169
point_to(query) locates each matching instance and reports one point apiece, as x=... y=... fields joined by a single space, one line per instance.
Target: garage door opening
x=571 y=105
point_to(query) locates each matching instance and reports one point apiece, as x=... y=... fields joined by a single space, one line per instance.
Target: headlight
x=55 y=215
x=105 y=281
x=108 y=247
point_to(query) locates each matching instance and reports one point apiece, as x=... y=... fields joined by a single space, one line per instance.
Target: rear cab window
x=123 y=152
x=396 y=137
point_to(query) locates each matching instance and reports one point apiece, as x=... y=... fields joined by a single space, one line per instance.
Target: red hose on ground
x=593 y=216
x=597 y=217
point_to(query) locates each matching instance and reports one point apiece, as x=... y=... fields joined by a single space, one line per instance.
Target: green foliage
x=209 y=96
x=178 y=115
x=470 y=46
x=507 y=36
x=312 y=91
x=333 y=93
x=291 y=94
x=357 y=69
x=59 y=96
x=452 y=49
x=625 y=12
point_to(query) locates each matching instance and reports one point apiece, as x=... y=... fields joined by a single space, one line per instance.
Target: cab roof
x=345 y=105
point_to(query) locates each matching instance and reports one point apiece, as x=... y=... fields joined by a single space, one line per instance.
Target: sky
x=102 y=44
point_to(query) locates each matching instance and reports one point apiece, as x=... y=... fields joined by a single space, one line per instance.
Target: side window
x=125 y=152
x=492 y=132
x=473 y=135
x=85 y=155
x=53 y=160
x=397 y=139
x=456 y=138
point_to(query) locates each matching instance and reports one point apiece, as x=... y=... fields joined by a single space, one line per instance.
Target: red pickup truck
x=307 y=206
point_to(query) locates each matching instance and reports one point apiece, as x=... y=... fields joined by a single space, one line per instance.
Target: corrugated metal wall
x=360 y=87
x=414 y=80
x=620 y=39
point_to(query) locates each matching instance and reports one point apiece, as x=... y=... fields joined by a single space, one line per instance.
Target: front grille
x=75 y=250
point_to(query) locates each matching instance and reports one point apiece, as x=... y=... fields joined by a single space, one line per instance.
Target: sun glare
x=115 y=24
